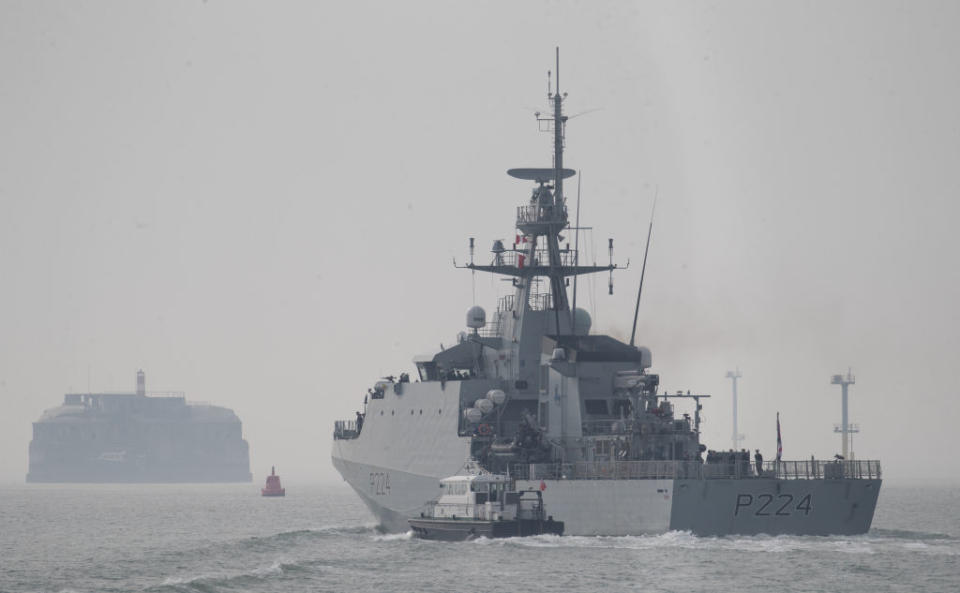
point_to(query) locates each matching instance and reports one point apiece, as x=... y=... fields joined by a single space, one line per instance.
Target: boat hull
x=465 y=529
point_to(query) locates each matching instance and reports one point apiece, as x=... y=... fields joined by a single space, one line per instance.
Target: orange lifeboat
x=273 y=485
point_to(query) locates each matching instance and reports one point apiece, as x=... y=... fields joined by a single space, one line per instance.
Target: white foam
x=781 y=544
x=275 y=568
x=393 y=537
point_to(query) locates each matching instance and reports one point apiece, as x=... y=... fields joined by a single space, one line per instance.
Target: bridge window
x=427 y=370
x=595 y=406
x=621 y=406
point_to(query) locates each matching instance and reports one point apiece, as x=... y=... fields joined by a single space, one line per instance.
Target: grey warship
x=136 y=437
x=532 y=394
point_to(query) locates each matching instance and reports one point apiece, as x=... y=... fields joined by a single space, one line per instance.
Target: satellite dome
x=476 y=317
x=646 y=357
x=497 y=396
x=484 y=405
x=472 y=415
x=581 y=322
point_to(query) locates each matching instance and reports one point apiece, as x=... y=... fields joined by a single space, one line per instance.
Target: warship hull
x=405 y=448
x=619 y=507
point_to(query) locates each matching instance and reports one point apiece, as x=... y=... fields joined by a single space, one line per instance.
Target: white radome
x=484 y=405
x=497 y=396
x=476 y=317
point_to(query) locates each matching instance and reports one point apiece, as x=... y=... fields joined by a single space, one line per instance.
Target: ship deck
x=811 y=469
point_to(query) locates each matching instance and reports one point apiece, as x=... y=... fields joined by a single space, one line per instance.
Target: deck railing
x=541 y=214
x=670 y=470
x=541 y=258
x=345 y=429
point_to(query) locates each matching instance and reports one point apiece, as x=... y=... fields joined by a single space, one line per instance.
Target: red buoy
x=273 y=485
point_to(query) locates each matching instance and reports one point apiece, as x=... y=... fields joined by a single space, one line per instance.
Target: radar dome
x=472 y=415
x=484 y=405
x=581 y=322
x=476 y=317
x=497 y=396
x=646 y=357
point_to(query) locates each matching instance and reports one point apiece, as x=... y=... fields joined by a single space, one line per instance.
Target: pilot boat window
x=457 y=488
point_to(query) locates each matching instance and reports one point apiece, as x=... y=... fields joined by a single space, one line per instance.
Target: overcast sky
x=258 y=204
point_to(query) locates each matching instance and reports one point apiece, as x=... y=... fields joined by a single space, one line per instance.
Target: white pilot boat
x=477 y=503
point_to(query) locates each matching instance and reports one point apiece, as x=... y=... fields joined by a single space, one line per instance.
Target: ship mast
x=545 y=216
x=557 y=284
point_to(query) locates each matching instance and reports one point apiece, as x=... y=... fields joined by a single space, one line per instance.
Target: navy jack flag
x=779 y=440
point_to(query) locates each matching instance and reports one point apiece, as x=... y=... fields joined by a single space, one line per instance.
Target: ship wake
x=877 y=541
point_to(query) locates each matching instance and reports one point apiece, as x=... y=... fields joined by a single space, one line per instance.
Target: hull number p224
x=769 y=505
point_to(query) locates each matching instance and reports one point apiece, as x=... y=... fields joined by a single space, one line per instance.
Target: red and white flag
x=543 y=485
x=520 y=245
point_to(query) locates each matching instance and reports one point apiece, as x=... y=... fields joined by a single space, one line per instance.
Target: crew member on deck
x=359 y=422
x=758 y=458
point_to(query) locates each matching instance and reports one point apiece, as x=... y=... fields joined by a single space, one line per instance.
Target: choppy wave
x=209 y=581
x=315 y=533
x=859 y=544
x=277 y=542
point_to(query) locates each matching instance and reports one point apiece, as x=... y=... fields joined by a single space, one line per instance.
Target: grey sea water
x=169 y=538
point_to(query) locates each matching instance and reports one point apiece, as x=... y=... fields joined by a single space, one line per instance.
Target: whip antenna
x=576 y=259
x=636 y=310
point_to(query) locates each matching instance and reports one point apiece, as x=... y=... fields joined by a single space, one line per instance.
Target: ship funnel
x=141 y=383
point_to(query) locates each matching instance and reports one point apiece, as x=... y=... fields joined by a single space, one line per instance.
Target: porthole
x=421 y=412
x=439 y=411
x=381 y=412
x=411 y=412
x=393 y=412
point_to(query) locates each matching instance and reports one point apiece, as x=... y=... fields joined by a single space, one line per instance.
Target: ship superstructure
x=533 y=394
x=136 y=437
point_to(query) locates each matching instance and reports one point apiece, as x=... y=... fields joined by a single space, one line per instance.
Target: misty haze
x=251 y=247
